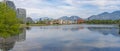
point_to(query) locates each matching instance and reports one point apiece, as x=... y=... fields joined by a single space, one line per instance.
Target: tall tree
x=9 y=23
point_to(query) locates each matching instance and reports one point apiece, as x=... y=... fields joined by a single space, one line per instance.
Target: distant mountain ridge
x=106 y=16
x=72 y=18
x=29 y=20
x=45 y=18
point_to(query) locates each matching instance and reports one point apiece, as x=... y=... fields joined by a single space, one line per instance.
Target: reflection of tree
x=28 y=28
x=8 y=43
x=105 y=30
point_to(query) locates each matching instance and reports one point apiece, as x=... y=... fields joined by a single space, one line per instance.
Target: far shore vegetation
x=103 y=22
x=42 y=23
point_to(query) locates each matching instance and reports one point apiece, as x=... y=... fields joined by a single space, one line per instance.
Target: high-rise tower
x=4 y=1
x=10 y=4
x=21 y=14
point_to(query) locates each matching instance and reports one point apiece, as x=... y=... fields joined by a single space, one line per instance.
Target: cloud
x=58 y=8
x=0 y=0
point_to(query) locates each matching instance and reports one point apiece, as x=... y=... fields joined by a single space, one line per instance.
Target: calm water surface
x=66 y=38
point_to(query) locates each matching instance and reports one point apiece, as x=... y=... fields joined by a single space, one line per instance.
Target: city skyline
x=58 y=8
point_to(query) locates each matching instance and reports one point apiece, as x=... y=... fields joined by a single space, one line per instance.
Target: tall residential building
x=2 y=0
x=10 y=4
x=21 y=14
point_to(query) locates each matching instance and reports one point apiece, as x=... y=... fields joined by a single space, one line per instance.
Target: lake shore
x=47 y=24
x=24 y=25
x=66 y=24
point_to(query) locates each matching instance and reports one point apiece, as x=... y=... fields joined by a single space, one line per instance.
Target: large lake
x=65 y=38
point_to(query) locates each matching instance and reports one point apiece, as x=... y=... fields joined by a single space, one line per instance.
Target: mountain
x=45 y=18
x=72 y=18
x=64 y=18
x=30 y=20
x=106 y=16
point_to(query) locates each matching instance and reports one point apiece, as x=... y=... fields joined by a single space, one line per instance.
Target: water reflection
x=76 y=38
x=70 y=38
x=106 y=30
x=8 y=43
x=28 y=28
x=65 y=28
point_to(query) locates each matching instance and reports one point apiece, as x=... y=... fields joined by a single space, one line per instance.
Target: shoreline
x=65 y=24
x=24 y=25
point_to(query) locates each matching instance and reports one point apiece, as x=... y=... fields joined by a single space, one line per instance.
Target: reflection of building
x=22 y=36
x=21 y=14
x=64 y=28
x=7 y=44
x=106 y=30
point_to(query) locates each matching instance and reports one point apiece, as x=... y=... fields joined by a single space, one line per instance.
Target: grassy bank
x=38 y=25
x=23 y=25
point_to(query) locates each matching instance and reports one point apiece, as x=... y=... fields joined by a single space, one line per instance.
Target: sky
x=59 y=8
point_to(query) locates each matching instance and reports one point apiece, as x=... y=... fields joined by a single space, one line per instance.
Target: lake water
x=65 y=38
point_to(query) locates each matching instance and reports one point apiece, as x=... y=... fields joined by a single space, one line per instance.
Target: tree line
x=103 y=21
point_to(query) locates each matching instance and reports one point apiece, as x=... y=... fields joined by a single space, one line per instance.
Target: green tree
x=9 y=24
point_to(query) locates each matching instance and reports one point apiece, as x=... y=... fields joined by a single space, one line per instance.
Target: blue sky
x=58 y=8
